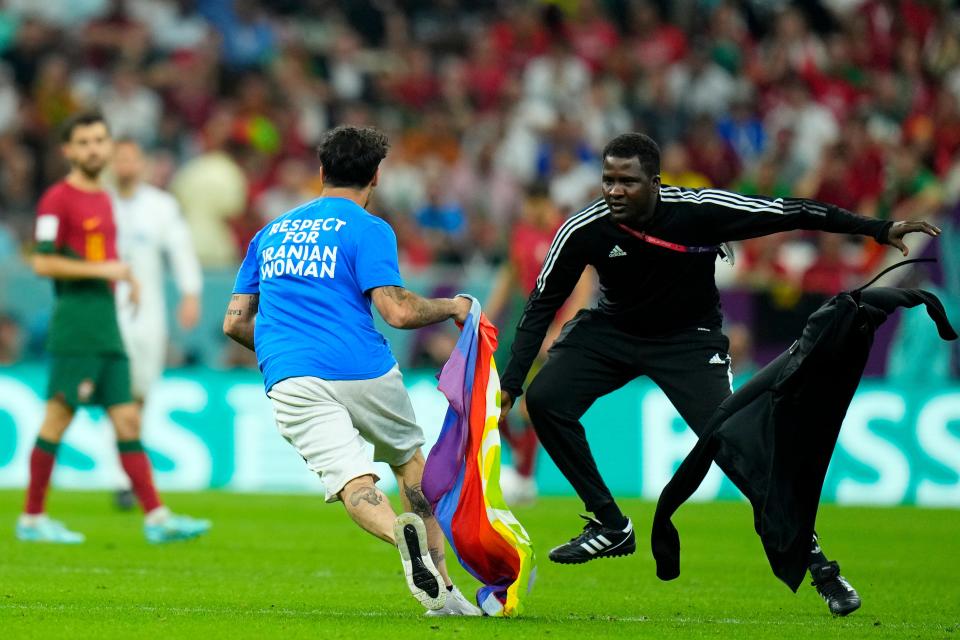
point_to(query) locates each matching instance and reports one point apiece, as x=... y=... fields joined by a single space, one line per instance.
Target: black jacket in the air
x=660 y=280
x=775 y=436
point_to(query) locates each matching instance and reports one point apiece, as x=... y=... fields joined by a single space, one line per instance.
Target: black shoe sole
x=422 y=577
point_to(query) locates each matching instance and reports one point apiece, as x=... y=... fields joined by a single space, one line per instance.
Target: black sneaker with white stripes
x=596 y=541
x=842 y=598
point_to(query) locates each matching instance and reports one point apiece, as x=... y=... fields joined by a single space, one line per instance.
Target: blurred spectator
x=731 y=43
x=912 y=189
x=742 y=129
x=248 y=37
x=558 y=79
x=306 y=98
x=132 y=110
x=711 y=155
x=488 y=76
x=443 y=221
x=414 y=83
x=519 y=34
x=657 y=112
x=487 y=187
x=53 y=94
x=604 y=114
x=33 y=41
x=675 y=168
x=115 y=35
x=573 y=182
x=812 y=125
x=592 y=34
x=656 y=44
x=173 y=24
x=764 y=180
x=345 y=70
x=761 y=264
x=831 y=272
x=840 y=84
x=830 y=180
x=868 y=171
x=290 y=191
x=17 y=196
x=700 y=85
x=212 y=189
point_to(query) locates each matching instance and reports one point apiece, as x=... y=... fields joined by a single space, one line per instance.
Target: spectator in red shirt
x=592 y=35
x=487 y=76
x=529 y=243
x=830 y=273
x=655 y=43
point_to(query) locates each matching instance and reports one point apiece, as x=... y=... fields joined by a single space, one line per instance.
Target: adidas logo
x=600 y=542
x=716 y=359
x=616 y=252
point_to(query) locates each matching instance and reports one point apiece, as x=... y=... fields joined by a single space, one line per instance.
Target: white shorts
x=330 y=422
x=148 y=354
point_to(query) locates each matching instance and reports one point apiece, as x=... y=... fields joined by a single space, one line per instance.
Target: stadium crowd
x=854 y=102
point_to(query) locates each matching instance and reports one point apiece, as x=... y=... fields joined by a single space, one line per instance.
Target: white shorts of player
x=330 y=422
x=147 y=351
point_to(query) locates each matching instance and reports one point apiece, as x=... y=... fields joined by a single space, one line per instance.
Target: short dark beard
x=93 y=176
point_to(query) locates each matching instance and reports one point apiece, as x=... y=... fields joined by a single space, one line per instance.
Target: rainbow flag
x=462 y=475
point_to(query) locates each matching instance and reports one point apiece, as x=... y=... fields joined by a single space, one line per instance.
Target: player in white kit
x=151 y=232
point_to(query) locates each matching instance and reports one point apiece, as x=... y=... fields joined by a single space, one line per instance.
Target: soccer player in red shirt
x=530 y=241
x=76 y=247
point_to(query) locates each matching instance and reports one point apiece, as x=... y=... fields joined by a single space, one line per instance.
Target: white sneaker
x=424 y=580
x=40 y=528
x=457 y=605
x=517 y=490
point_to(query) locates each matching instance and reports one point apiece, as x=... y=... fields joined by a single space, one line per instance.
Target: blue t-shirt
x=313 y=267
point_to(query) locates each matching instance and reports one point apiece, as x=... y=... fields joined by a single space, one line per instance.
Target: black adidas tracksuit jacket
x=658 y=314
x=664 y=283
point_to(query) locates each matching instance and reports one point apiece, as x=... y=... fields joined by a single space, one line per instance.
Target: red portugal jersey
x=528 y=249
x=79 y=224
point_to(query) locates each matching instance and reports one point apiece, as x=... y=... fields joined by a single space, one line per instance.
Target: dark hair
x=636 y=145
x=350 y=155
x=83 y=119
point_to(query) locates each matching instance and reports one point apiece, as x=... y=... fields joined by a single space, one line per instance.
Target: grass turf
x=292 y=567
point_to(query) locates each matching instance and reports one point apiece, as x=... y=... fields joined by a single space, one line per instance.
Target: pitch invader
x=76 y=247
x=150 y=228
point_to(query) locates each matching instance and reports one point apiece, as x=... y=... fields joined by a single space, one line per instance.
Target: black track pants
x=593 y=358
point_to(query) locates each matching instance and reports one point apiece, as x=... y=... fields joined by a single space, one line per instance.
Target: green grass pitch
x=292 y=567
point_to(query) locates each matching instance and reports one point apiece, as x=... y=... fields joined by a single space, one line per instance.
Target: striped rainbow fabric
x=462 y=475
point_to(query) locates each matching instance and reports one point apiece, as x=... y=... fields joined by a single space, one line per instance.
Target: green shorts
x=99 y=379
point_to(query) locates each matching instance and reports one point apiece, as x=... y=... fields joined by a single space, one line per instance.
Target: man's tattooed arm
x=241 y=317
x=404 y=309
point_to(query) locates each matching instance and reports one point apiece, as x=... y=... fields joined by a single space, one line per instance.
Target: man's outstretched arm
x=241 y=318
x=720 y=216
x=404 y=309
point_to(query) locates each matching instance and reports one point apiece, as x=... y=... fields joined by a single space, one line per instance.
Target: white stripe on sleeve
x=588 y=215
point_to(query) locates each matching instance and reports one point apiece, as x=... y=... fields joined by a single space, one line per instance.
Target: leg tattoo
x=418 y=502
x=369 y=494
